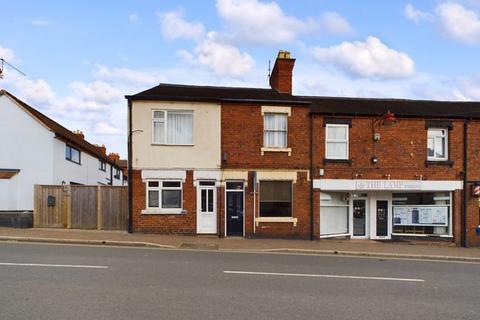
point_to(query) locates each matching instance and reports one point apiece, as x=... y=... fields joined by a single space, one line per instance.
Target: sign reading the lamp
x=388 y=184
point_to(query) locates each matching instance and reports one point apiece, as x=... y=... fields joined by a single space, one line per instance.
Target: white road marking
x=51 y=265
x=321 y=276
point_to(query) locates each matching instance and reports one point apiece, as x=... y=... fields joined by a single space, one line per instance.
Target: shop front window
x=426 y=213
x=333 y=214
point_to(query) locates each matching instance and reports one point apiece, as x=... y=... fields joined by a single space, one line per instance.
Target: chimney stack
x=113 y=157
x=281 y=77
x=79 y=134
x=101 y=148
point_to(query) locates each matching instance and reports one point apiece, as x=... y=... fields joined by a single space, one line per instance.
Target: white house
x=34 y=149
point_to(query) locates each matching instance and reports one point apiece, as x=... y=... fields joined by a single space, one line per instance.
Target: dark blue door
x=234 y=213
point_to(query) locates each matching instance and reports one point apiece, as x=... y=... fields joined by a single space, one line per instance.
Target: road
x=40 y=281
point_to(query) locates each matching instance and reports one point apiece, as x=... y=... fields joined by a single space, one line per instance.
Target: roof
x=177 y=92
x=318 y=104
x=400 y=107
x=60 y=131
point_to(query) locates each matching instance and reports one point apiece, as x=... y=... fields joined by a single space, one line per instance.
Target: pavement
x=50 y=281
x=402 y=249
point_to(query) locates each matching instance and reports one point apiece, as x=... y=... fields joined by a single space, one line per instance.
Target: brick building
x=265 y=163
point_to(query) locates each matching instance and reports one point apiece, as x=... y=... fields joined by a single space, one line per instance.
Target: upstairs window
x=172 y=127
x=275 y=130
x=336 y=142
x=437 y=145
x=117 y=174
x=72 y=154
x=102 y=165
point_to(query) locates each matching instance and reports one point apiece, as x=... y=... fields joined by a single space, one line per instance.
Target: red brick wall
x=164 y=223
x=242 y=139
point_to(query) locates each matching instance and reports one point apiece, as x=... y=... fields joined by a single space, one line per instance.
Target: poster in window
x=421 y=216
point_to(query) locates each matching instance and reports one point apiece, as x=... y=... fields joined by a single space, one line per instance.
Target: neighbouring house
x=37 y=150
x=261 y=162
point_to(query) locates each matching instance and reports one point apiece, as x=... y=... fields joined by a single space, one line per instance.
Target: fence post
x=67 y=205
x=99 y=209
x=36 y=207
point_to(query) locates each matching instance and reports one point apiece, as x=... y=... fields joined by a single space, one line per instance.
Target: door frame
x=225 y=205
x=367 y=216
x=199 y=204
x=380 y=196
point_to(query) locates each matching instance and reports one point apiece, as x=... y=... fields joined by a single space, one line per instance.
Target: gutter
x=130 y=178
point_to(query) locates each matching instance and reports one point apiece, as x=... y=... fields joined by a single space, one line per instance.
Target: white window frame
x=276 y=146
x=160 y=188
x=444 y=135
x=165 y=127
x=332 y=125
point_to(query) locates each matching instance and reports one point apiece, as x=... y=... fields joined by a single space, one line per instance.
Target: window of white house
x=275 y=198
x=437 y=144
x=102 y=165
x=275 y=130
x=336 y=142
x=72 y=154
x=164 y=194
x=333 y=214
x=173 y=127
x=117 y=174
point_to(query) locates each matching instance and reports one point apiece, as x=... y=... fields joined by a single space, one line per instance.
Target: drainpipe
x=311 y=177
x=465 y=183
x=111 y=173
x=130 y=184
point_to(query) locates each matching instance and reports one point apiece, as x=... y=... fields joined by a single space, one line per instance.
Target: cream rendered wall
x=204 y=154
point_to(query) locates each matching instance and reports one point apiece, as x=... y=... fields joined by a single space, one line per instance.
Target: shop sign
x=420 y=216
x=388 y=184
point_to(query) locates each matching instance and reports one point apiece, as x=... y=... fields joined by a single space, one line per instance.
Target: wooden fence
x=80 y=207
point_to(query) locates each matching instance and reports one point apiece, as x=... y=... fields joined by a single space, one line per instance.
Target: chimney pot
x=113 y=157
x=79 y=134
x=102 y=148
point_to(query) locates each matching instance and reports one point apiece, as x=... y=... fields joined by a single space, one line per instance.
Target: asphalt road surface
x=39 y=281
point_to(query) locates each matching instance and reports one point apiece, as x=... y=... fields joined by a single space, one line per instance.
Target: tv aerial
x=4 y=63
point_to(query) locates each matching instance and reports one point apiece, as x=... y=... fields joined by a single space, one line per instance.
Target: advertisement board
x=420 y=216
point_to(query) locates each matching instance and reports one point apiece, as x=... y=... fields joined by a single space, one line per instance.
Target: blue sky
x=81 y=57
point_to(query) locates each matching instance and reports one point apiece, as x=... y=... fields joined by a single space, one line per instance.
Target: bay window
x=172 y=127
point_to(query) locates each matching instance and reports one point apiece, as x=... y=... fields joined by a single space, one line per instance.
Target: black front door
x=359 y=221
x=382 y=218
x=234 y=213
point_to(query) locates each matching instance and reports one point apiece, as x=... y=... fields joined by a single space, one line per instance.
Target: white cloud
x=127 y=76
x=417 y=15
x=266 y=23
x=335 y=23
x=133 y=17
x=40 y=23
x=7 y=54
x=459 y=23
x=98 y=91
x=105 y=128
x=369 y=58
x=223 y=59
x=174 y=26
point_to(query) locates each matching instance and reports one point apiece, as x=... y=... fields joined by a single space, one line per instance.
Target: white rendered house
x=34 y=149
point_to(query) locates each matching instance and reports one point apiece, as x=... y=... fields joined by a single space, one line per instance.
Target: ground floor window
x=164 y=194
x=422 y=213
x=275 y=198
x=334 y=213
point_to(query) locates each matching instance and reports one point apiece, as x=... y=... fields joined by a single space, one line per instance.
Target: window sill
x=439 y=163
x=270 y=149
x=69 y=160
x=172 y=145
x=259 y=220
x=163 y=211
x=346 y=161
